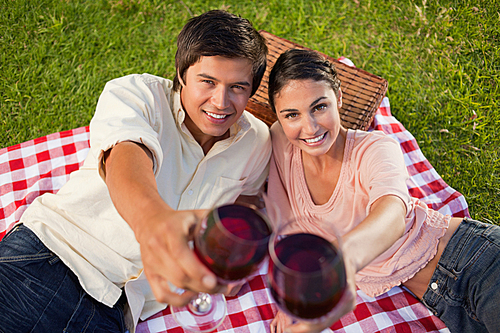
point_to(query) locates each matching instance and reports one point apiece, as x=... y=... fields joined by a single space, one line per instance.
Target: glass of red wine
x=306 y=273
x=232 y=241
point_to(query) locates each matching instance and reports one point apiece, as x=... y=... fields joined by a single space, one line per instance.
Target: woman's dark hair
x=219 y=33
x=298 y=64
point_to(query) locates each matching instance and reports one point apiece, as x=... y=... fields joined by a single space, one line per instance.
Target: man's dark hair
x=298 y=64
x=219 y=33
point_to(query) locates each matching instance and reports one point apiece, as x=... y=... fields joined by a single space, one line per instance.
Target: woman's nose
x=310 y=125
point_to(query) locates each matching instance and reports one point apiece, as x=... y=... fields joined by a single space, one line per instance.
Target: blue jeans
x=38 y=293
x=465 y=288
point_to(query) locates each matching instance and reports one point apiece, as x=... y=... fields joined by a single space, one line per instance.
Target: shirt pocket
x=226 y=190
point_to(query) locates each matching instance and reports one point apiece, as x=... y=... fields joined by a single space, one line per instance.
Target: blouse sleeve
x=382 y=169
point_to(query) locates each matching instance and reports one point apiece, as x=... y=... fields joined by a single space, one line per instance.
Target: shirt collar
x=177 y=110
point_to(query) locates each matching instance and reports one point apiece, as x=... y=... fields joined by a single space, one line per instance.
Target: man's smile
x=216 y=116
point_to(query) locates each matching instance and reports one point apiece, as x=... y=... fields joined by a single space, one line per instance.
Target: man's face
x=214 y=94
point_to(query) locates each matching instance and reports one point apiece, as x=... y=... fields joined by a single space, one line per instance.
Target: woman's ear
x=339 y=98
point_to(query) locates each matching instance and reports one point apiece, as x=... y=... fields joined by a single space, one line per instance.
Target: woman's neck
x=322 y=173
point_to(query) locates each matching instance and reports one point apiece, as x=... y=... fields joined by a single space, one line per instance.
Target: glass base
x=203 y=314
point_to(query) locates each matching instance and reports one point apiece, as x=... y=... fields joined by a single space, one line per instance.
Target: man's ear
x=339 y=98
x=181 y=81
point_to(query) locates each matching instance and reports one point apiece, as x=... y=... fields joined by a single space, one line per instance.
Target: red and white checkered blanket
x=32 y=168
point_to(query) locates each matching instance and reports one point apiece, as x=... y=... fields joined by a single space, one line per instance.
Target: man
x=161 y=153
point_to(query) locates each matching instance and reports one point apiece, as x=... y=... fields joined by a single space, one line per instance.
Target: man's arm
x=161 y=231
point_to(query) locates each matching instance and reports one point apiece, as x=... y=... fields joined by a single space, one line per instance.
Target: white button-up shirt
x=80 y=223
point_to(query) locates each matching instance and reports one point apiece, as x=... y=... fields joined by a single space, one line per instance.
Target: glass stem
x=201 y=305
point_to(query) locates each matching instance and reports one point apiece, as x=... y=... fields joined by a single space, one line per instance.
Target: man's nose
x=220 y=98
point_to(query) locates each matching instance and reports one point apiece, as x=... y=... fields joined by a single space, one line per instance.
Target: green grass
x=441 y=58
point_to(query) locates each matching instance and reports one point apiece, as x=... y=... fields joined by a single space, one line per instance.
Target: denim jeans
x=38 y=293
x=465 y=288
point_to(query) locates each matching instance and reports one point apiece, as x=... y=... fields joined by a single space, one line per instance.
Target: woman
x=357 y=180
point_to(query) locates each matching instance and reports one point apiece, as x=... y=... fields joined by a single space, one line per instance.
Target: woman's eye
x=290 y=115
x=319 y=107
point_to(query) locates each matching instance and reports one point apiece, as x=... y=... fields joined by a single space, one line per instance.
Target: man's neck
x=204 y=140
x=208 y=144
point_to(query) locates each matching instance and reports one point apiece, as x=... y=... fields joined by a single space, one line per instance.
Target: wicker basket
x=362 y=92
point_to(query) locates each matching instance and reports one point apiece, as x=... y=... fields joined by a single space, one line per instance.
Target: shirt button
x=190 y=192
x=434 y=285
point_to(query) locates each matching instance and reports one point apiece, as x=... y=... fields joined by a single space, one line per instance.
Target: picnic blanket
x=43 y=165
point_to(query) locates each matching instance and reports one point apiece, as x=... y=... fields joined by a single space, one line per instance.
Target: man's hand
x=167 y=257
x=162 y=232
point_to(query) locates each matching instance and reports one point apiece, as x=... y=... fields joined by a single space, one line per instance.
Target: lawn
x=441 y=58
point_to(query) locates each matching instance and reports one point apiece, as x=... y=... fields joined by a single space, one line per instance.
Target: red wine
x=236 y=250
x=312 y=280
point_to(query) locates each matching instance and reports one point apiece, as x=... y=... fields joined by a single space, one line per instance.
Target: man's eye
x=208 y=81
x=239 y=88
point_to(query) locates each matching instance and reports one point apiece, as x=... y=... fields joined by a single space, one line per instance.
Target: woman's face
x=308 y=112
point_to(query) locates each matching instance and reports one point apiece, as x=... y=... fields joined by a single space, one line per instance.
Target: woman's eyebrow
x=316 y=101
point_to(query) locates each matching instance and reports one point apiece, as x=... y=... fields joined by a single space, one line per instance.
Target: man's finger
x=198 y=277
x=164 y=293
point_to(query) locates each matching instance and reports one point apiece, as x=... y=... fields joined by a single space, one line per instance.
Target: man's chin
x=216 y=133
x=218 y=129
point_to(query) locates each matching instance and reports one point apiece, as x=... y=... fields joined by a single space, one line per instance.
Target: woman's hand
x=233 y=289
x=280 y=322
x=346 y=304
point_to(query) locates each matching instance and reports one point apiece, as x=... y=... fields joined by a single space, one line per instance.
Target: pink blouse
x=373 y=166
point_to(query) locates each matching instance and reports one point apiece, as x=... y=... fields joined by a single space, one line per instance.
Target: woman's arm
x=383 y=226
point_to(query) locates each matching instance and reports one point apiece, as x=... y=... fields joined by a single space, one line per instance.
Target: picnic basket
x=362 y=91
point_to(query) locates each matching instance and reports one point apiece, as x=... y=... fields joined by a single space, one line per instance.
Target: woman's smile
x=315 y=140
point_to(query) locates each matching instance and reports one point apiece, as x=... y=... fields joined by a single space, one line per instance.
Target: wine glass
x=232 y=241
x=306 y=275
